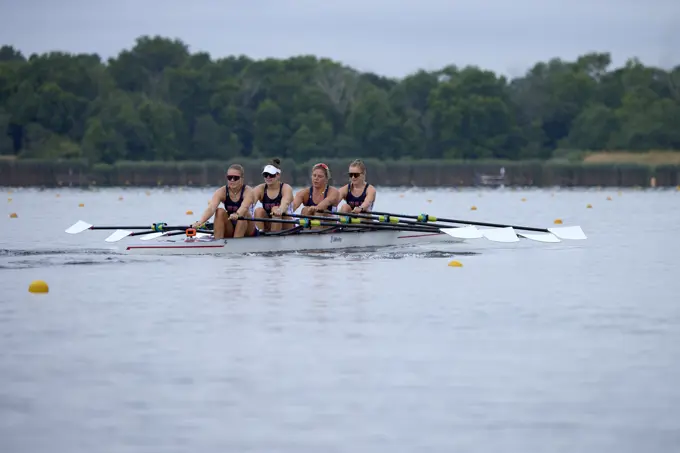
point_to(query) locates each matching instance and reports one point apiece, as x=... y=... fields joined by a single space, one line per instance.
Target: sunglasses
x=268 y=175
x=354 y=175
x=233 y=177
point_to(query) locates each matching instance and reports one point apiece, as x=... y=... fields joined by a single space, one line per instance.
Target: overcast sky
x=389 y=37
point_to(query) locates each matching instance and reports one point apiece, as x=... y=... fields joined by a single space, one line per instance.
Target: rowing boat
x=346 y=231
x=299 y=241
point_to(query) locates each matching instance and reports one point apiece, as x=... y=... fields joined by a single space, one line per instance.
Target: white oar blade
x=150 y=236
x=540 y=237
x=78 y=227
x=468 y=232
x=118 y=235
x=570 y=232
x=500 y=234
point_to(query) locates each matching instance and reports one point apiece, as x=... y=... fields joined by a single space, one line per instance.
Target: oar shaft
x=392 y=220
x=358 y=217
x=329 y=222
x=465 y=222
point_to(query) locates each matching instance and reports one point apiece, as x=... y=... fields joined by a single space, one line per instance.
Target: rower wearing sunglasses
x=276 y=198
x=237 y=199
x=320 y=196
x=359 y=196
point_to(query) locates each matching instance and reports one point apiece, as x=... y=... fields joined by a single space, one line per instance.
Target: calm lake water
x=529 y=347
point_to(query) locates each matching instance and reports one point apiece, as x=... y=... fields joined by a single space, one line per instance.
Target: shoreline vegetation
x=598 y=169
x=158 y=114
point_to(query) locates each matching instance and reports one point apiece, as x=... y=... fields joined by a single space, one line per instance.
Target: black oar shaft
x=375 y=216
x=430 y=226
x=331 y=223
x=465 y=222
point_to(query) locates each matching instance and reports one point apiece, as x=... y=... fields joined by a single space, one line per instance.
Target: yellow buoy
x=190 y=212
x=429 y=201
x=13 y=215
x=677 y=188
x=473 y=208
x=589 y=206
x=524 y=199
x=38 y=286
x=558 y=222
x=455 y=263
x=81 y=205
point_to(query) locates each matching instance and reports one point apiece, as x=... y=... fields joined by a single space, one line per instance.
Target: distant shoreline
x=394 y=173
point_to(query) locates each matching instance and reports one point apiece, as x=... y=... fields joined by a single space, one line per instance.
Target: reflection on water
x=527 y=347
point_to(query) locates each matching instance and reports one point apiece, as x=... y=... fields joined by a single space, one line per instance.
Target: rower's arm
x=214 y=203
x=333 y=199
x=300 y=198
x=248 y=201
x=370 y=198
x=287 y=197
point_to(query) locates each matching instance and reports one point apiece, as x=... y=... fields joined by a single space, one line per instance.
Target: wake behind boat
x=344 y=231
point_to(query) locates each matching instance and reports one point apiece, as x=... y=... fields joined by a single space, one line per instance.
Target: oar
x=503 y=233
x=308 y=223
x=343 y=219
x=81 y=226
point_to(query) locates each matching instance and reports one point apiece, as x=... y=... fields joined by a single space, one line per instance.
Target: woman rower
x=237 y=198
x=319 y=196
x=359 y=196
x=276 y=198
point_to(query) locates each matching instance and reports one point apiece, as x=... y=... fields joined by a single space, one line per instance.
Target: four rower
x=319 y=196
x=278 y=201
x=358 y=195
x=237 y=198
x=276 y=198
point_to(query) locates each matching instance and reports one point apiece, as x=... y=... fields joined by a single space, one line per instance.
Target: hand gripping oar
x=499 y=233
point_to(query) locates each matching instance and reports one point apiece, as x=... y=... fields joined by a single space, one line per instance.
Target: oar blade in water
x=540 y=237
x=468 y=232
x=570 y=232
x=500 y=234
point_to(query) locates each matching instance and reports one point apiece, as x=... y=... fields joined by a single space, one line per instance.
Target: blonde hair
x=237 y=167
x=324 y=167
x=358 y=163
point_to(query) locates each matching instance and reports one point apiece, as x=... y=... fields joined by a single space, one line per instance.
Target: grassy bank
x=441 y=173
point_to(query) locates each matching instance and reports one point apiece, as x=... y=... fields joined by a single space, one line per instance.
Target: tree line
x=158 y=101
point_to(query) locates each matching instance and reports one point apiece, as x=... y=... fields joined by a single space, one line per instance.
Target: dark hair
x=276 y=162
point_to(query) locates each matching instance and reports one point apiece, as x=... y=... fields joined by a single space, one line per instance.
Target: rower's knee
x=260 y=213
x=220 y=214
